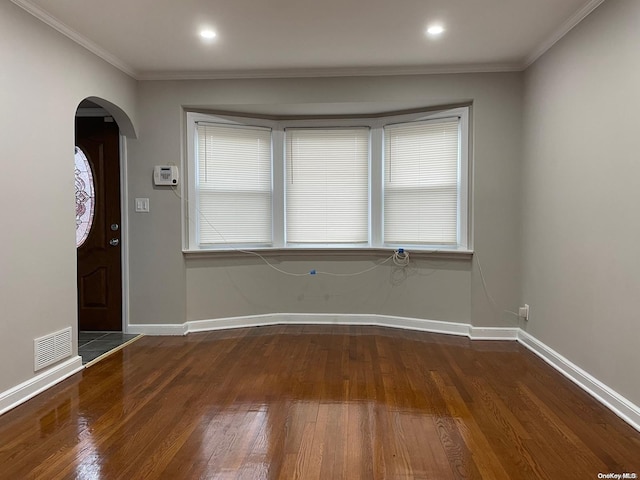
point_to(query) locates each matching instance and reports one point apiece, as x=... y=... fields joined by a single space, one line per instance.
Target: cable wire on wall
x=399 y=257
x=486 y=290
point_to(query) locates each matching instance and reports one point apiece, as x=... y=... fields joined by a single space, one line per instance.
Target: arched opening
x=120 y=116
x=101 y=226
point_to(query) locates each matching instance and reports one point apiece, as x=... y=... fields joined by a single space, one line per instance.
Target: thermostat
x=165 y=175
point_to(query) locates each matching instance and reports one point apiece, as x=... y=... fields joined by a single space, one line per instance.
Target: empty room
x=334 y=240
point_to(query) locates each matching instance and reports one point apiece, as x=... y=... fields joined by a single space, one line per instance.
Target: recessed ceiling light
x=435 y=30
x=207 y=34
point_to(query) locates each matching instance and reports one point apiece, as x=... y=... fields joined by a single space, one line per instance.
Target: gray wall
x=43 y=78
x=581 y=267
x=177 y=289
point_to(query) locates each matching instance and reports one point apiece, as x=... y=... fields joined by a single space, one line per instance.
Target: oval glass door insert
x=85 y=197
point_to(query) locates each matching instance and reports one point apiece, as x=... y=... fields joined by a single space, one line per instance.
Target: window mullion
x=376 y=186
x=190 y=231
x=464 y=205
x=278 y=180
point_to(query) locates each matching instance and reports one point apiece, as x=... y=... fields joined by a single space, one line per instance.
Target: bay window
x=381 y=182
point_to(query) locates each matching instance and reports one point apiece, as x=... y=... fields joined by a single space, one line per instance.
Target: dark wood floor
x=323 y=402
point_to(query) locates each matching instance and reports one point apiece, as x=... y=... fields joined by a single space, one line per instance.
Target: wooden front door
x=99 y=255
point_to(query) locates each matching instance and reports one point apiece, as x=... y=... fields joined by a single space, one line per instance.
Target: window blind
x=327 y=185
x=234 y=184
x=421 y=169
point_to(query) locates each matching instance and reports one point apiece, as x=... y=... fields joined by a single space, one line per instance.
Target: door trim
x=124 y=232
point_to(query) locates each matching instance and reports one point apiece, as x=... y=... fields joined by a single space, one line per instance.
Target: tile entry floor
x=93 y=344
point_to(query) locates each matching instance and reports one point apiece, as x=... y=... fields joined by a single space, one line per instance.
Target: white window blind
x=327 y=185
x=421 y=176
x=234 y=185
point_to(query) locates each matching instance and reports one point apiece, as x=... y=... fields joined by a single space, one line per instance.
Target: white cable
x=355 y=273
x=399 y=258
x=249 y=252
x=486 y=290
x=175 y=192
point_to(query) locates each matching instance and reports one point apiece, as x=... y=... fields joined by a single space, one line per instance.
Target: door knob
x=114 y=242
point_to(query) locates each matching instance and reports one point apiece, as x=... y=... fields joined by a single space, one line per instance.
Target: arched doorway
x=100 y=233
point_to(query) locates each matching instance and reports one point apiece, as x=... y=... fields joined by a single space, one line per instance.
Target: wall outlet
x=524 y=312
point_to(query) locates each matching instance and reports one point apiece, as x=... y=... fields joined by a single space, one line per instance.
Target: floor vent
x=52 y=348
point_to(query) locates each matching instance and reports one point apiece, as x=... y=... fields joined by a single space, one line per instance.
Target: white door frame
x=124 y=232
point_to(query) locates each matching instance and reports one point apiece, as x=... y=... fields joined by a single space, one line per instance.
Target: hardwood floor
x=325 y=402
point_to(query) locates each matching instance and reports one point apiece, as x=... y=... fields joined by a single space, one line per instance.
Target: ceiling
x=159 y=39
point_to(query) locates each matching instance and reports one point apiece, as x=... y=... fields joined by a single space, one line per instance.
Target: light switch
x=142 y=204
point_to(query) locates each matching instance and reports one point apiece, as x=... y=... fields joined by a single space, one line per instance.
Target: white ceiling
x=153 y=39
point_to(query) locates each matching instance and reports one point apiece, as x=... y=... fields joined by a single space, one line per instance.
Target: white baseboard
x=21 y=393
x=622 y=407
x=434 y=326
x=493 y=333
x=158 y=329
x=233 y=322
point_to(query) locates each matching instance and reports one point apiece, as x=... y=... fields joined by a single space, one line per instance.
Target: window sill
x=298 y=252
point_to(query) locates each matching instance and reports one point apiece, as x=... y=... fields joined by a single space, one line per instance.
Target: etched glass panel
x=85 y=197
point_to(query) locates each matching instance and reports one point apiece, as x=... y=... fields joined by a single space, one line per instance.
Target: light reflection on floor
x=315 y=427
x=389 y=405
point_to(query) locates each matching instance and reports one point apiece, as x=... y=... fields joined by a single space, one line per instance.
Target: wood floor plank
x=316 y=402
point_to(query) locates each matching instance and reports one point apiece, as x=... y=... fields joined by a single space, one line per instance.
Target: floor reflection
x=312 y=402
x=89 y=459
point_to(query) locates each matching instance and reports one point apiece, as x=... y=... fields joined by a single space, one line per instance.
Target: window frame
x=376 y=124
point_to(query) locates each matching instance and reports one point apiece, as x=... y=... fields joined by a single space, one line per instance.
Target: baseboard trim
x=433 y=326
x=618 y=404
x=213 y=324
x=493 y=333
x=26 y=390
x=423 y=325
x=175 y=329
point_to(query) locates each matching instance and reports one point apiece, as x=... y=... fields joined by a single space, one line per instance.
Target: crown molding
x=81 y=40
x=333 y=72
x=566 y=27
